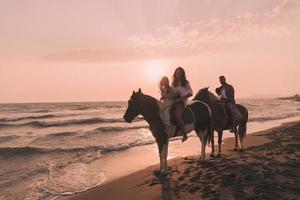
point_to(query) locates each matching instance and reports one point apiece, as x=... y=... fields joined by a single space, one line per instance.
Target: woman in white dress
x=168 y=99
x=183 y=90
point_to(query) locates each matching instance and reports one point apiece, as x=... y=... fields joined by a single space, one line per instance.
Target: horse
x=150 y=108
x=221 y=120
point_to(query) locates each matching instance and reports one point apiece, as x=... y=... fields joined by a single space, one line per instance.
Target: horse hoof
x=235 y=149
x=212 y=155
x=201 y=161
x=219 y=155
x=163 y=174
x=157 y=173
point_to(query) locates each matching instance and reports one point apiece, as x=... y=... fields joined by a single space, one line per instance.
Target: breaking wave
x=44 y=124
x=28 y=150
x=119 y=128
x=271 y=118
x=27 y=118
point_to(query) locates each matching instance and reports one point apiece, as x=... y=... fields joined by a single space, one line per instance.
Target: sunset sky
x=101 y=50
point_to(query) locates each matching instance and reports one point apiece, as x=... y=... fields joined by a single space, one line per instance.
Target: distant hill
x=296 y=97
x=263 y=96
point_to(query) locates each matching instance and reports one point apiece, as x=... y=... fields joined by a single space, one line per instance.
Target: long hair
x=182 y=80
x=164 y=83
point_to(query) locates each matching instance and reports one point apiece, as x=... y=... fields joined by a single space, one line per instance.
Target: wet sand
x=267 y=169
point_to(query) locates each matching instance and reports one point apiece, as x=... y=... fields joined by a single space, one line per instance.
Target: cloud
x=185 y=39
x=214 y=33
x=107 y=55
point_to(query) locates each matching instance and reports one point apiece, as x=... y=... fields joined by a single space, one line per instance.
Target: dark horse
x=150 y=109
x=220 y=119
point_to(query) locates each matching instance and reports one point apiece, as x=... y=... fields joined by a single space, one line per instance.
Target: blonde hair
x=164 y=83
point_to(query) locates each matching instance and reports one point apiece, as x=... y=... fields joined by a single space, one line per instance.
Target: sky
x=101 y=50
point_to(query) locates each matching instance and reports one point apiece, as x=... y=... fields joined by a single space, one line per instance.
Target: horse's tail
x=209 y=135
x=242 y=128
x=210 y=129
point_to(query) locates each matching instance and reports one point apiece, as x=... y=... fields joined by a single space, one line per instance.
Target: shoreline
x=143 y=184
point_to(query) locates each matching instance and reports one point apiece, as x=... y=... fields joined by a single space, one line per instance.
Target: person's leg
x=180 y=123
x=167 y=121
x=225 y=112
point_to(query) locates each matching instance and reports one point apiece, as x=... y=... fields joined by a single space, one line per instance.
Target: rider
x=226 y=91
x=168 y=99
x=166 y=91
x=183 y=90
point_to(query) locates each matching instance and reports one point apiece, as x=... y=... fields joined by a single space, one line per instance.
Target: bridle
x=131 y=115
x=141 y=111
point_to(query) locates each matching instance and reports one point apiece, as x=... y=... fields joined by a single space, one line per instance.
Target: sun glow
x=155 y=70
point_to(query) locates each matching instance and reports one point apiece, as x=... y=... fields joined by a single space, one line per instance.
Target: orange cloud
x=191 y=38
x=215 y=32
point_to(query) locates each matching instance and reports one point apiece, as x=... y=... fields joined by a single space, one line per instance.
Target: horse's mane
x=150 y=102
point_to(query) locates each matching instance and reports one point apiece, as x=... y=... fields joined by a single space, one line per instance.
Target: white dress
x=167 y=103
x=183 y=91
x=166 y=106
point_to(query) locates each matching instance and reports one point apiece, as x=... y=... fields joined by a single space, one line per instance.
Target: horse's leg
x=160 y=156
x=202 y=135
x=241 y=143
x=165 y=158
x=242 y=133
x=220 y=136
x=236 y=141
x=163 y=153
x=212 y=145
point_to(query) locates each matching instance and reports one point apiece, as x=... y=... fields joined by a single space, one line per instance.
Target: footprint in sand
x=181 y=178
x=208 y=176
x=195 y=178
x=187 y=172
x=194 y=189
x=210 y=195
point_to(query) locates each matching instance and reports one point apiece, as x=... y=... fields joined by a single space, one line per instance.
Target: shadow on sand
x=269 y=171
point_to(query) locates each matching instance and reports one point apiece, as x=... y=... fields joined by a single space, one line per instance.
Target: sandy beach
x=87 y=87
x=267 y=169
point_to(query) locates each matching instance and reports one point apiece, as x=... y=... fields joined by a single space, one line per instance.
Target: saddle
x=187 y=115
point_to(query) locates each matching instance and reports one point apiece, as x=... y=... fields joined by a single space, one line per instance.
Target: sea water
x=46 y=149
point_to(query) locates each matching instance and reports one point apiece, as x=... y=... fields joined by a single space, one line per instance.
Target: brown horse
x=150 y=109
x=221 y=121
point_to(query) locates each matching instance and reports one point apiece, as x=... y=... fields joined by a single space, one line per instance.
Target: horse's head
x=134 y=106
x=205 y=95
x=202 y=95
x=204 y=91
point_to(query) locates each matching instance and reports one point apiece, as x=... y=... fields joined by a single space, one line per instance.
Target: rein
x=209 y=109
x=135 y=117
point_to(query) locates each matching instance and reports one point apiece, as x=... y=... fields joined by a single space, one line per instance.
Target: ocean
x=47 y=149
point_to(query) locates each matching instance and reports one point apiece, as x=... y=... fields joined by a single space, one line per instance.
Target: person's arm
x=218 y=91
x=188 y=93
x=187 y=96
x=230 y=95
x=163 y=96
x=172 y=93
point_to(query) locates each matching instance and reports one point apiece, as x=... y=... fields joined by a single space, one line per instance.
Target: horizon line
x=109 y=101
